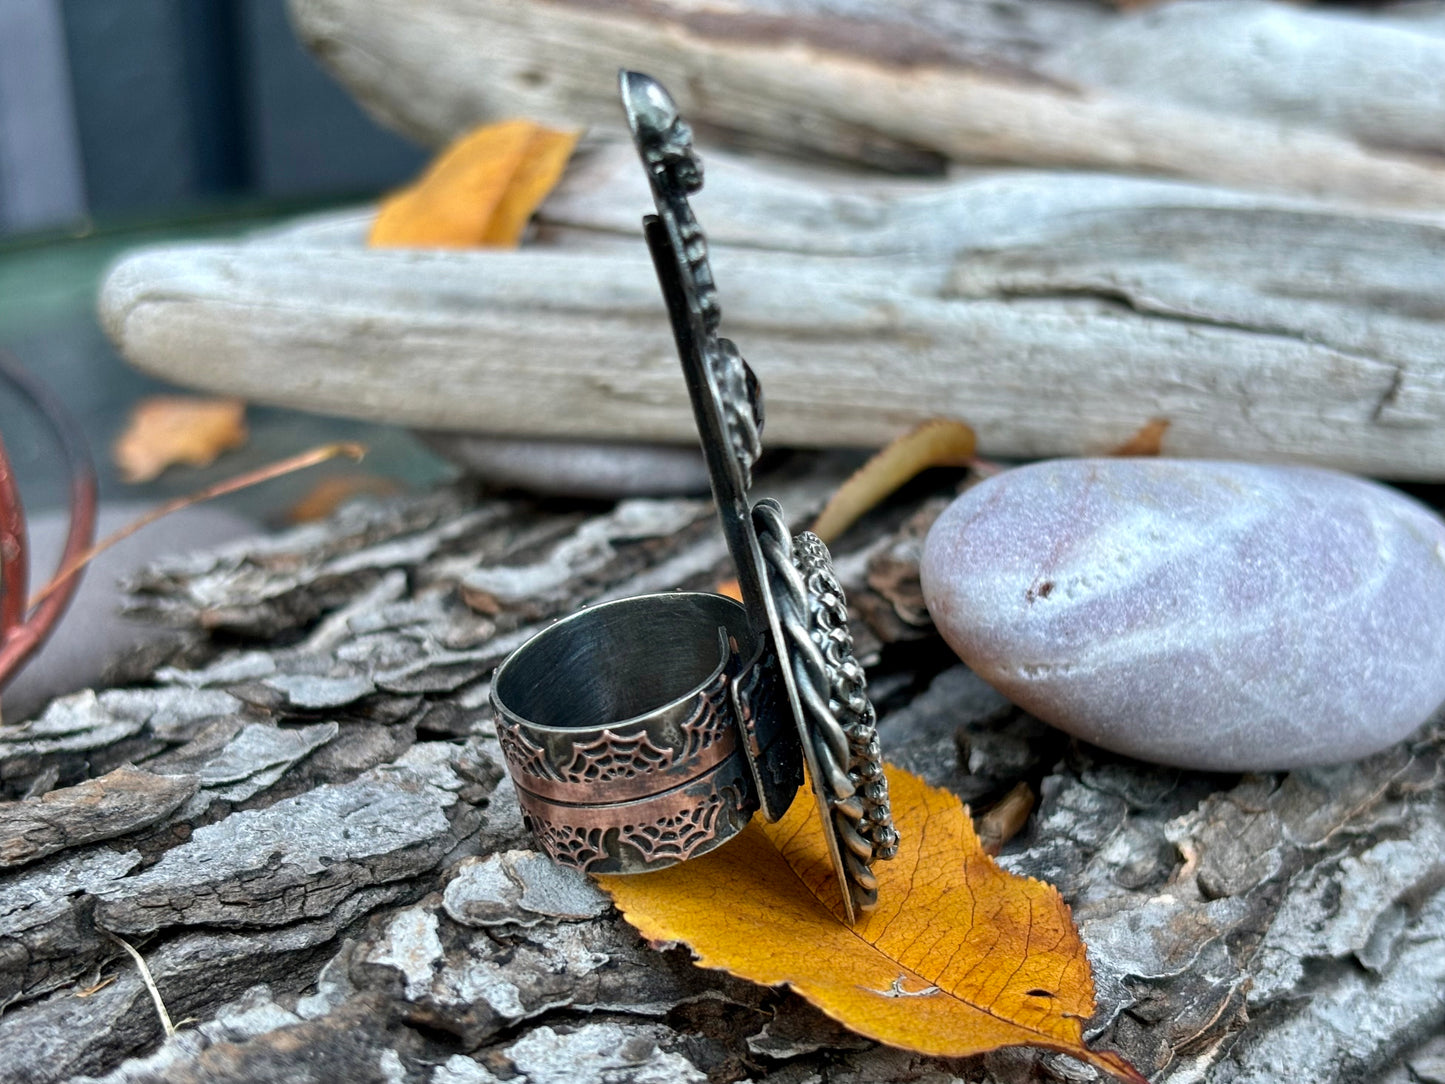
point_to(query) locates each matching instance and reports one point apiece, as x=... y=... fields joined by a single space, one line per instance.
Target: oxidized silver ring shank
x=621 y=731
x=646 y=731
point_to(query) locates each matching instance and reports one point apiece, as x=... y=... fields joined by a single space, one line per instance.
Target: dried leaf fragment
x=1148 y=440
x=940 y=442
x=959 y=958
x=329 y=494
x=479 y=192
x=168 y=429
x=1005 y=820
x=91 y=991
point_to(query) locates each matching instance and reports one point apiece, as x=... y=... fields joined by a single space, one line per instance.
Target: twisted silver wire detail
x=833 y=690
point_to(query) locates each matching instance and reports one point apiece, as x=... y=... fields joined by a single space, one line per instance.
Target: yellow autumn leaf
x=959 y=958
x=167 y=429
x=479 y=192
x=939 y=442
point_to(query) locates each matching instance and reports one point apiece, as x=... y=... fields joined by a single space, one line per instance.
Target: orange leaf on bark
x=479 y=192
x=326 y=496
x=959 y=958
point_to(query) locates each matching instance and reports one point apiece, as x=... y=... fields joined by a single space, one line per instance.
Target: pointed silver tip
x=649 y=107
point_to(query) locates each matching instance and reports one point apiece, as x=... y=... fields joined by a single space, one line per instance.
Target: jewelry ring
x=646 y=731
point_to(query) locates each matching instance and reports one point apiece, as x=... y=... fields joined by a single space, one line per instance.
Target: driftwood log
x=1255 y=256
x=1055 y=312
x=301 y=824
x=1255 y=94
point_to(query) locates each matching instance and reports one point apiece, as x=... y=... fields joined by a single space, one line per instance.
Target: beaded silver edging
x=841 y=722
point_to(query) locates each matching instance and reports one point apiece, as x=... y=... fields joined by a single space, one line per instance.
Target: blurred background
x=1221 y=215
x=113 y=112
x=127 y=123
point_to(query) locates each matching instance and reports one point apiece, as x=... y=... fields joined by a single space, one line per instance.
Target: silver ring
x=626 y=725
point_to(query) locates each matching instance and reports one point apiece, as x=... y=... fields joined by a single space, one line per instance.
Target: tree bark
x=321 y=860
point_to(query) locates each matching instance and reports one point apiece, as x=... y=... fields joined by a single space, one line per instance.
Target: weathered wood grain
x=902 y=86
x=1368 y=75
x=1053 y=312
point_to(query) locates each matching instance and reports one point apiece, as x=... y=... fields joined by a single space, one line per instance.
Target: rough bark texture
x=1055 y=312
x=319 y=856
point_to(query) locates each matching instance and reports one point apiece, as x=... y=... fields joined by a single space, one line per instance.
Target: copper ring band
x=622 y=789
x=620 y=728
x=652 y=833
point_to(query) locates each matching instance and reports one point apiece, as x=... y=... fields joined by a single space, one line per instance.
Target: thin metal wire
x=22 y=632
x=14 y=549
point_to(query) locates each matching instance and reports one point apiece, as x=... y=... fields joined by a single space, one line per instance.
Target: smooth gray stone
x=1218 y=616
x=575 y=468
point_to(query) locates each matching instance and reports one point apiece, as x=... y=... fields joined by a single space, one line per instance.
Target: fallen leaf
x=730 y=588
x=329 y=494
x=168 y=429
x=1149 y=440
x=959 y=958
x=540 y=170
x=941 y=442
x=479 y=192
x=91 y=991
x=1006 y=819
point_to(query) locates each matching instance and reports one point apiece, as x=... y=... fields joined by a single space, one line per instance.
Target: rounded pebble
x=575 y=468
x=1218 y=616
